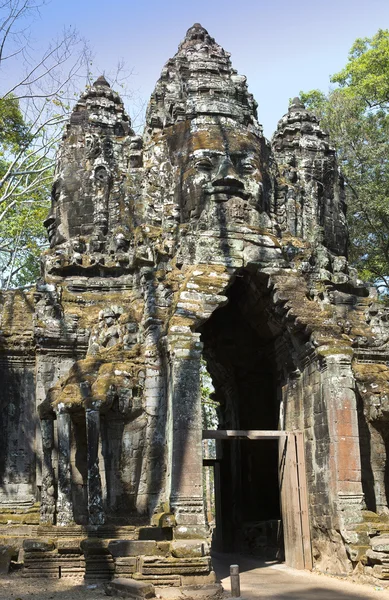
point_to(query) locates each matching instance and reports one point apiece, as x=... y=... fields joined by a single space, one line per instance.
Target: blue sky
x=281 y=46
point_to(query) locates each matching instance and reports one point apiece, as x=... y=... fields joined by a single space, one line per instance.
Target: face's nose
x=227 y=175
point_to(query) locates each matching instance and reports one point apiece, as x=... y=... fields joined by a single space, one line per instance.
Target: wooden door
x=294 y=501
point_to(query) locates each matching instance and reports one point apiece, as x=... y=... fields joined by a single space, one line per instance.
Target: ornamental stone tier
x=198 y=243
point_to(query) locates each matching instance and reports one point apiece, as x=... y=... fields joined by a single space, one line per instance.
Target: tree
x=34 y=103
x=366 y=74
x=356 y=116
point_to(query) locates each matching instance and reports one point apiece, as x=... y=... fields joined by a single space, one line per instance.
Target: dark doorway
x=241 y=347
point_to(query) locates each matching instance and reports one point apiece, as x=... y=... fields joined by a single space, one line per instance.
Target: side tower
x=309 y=181
x=90 y=217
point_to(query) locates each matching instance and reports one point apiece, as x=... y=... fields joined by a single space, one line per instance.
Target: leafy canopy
x=24 y=198
x=366 y=74
x=356 y=115
x=13 y=130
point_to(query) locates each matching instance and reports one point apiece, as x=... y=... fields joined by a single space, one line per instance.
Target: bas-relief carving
x=147 y=236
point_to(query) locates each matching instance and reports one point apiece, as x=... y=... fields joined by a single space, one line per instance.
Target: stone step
x=174 y=566
x=159 y=580
x=125 y=532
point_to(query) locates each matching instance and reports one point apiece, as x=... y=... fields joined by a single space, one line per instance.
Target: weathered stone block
x=261 y=254
x=38 y=545
x=189 y=532
x=134 y=548
x=381 y=572
x=71 y=545
x=163 y=519
x=125 y=566
x=95 y=546
x=189 y=548
x=377 y=557
x=380 y=543
x=125 y=561
x=130 y=588
x=175 y=566
x=201 y=580
x=6 y=553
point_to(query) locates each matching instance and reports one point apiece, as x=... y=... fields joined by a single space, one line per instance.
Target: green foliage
x=13 y=130
x=22 y=238
x=366 y=73
x=356 y=116
x=24 y=198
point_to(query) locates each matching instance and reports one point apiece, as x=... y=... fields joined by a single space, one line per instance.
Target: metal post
x=235 y=581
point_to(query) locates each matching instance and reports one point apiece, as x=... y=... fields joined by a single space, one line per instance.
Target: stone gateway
x=199 y=241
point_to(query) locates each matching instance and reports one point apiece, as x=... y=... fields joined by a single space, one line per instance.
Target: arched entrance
x=248 y=358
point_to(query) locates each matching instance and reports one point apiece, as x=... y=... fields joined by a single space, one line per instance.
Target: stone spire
x=310 y=181
x=300 y=127
x=200 y=80
x=99 y=107
x=87 y=207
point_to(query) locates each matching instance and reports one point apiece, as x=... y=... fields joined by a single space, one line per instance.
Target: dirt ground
x=16 y=587
x=258 y=580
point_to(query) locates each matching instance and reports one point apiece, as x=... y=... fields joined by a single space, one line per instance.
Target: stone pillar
x=345 y=460
x=48 y=480
x=152 y=483
x=186 y=496
x=95 y=501
x=64 y=499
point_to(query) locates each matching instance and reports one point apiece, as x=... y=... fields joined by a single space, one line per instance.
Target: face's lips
x=227 y=190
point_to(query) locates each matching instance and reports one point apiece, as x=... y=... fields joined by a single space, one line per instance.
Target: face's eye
x=248 y=166
x=204 y=164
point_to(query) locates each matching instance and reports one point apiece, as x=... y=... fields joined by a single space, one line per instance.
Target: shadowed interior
x=240 y=351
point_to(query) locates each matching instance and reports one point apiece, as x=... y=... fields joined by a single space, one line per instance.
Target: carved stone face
x=219 y=164
x=71 y=211
x=53 y=221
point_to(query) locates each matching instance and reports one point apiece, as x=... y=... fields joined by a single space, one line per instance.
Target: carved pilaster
x=95 y=501
x=344 y=450
x=47 y=515
x=64 y=500
x=186 y=496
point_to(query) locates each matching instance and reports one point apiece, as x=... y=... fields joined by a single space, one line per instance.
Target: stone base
x=151 y=555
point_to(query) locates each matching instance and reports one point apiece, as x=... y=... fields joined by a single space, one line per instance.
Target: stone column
x=186 y=497
x=64 y=500
x=345 y=460
x=48 y=480
x=95 y=501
